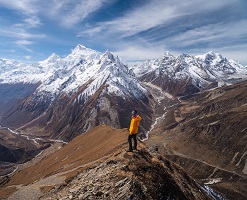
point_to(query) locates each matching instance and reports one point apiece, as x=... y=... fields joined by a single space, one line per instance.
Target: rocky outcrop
x=130 y=176
x=95 y=165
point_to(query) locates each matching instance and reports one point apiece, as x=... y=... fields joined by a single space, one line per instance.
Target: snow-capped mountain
x=67 y=74
x=12 y=72
x=199 y=72
x=7 y=65
x=86 y=66
x=86 y=87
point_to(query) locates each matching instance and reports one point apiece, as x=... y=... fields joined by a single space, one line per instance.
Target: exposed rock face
x=81 y=91
x=95 y=165
x=66 y=117
x=135 y=176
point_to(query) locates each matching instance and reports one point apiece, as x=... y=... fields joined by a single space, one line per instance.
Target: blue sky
x=31 y=30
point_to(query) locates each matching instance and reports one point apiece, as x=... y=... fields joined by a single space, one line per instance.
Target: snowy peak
x=201 y=71
x=88 y=67
x=83 y=51
x=83 y=64
x=216 y=62
x=79 y=47
x=167 y=54
x=7 y=65
x=210 y=56
x=108 y=56
x=53 y=58
x=114 y=75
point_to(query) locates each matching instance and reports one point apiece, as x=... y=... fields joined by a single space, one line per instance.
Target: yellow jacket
x=134 y=124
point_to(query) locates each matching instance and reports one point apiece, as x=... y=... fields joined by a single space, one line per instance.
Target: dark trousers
x=130 y=141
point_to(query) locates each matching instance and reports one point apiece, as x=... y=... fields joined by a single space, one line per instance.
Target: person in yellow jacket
x=134 y=125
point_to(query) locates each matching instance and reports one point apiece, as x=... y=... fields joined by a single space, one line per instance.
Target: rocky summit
x=95 y=165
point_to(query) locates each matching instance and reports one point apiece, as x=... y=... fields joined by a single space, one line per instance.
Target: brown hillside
x=84 y=149
x=95 y=165
x=206 y=134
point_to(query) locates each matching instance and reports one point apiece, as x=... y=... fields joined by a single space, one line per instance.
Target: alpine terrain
x=95 y=166
x=63 y=125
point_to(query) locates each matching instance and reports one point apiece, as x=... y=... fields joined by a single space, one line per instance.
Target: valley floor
x=197 y=158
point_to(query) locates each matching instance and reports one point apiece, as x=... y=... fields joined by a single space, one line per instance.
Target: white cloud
x=220 y=34
x=122 y=33
x=129 y=51
x=23 y=42
x=18 y=33
x=153 y=14
x=21 y=33
x=81 y=10
x=32 y=22
x=67 y=12
x=139 y=20
x=71 y=12
x=28 y=57
x=26 y=6
x=135 y=21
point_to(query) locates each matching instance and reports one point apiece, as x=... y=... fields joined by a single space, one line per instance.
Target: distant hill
x=206 y=134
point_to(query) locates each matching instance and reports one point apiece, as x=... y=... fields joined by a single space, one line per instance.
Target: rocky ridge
x=104 y=171
x=186 y=74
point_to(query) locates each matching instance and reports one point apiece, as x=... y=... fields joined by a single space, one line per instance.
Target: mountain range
x=100 y=88
x=92 y=85
x=55 y=100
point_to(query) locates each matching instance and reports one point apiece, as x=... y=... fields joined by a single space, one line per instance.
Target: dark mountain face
x=12 y=94
x=174 y=87
x=68 y=116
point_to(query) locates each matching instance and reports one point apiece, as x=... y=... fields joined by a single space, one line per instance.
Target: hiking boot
x=130 y=150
